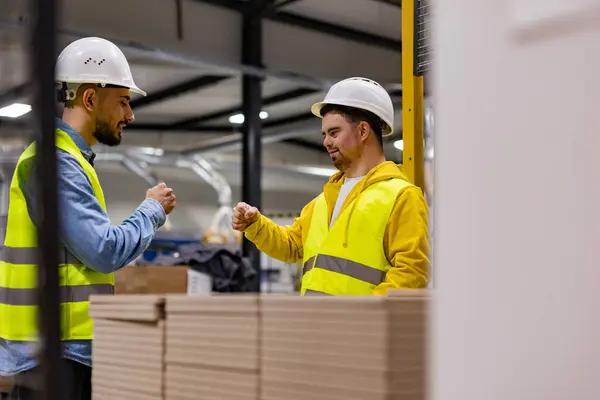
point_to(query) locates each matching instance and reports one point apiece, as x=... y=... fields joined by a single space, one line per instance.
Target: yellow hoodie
x=406 y=239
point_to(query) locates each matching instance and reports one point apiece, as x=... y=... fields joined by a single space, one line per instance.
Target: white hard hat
x=94 y=60
x=362 y=93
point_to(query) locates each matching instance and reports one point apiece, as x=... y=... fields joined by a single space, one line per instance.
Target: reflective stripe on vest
x=68 y=294
x=18 y=269
x=346 y=267
x=349 y=258
x=28 y=255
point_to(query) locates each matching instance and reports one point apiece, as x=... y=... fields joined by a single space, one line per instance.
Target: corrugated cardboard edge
x=136 y=308
x=410 y=303
x=163 y=356
x=229 y=303
x=192 y=304
x=133 y=308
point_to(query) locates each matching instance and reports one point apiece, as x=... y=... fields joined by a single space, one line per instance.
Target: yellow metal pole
x=412 y=101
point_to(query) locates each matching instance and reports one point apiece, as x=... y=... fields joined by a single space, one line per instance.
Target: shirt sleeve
x=284 y=243
x=406 y=243
x=85 y=229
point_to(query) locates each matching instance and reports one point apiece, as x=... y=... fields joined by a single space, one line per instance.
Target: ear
x=364 y=129
x=89 y=99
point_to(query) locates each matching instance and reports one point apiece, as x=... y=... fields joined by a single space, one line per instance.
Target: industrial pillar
x=412 y=97
x=43 y=58
x=252 y=126
x=515 y=309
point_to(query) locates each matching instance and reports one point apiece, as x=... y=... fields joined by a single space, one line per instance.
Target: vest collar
x=80 y=142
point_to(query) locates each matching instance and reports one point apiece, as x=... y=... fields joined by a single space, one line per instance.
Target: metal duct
x=140 y=169
x=221 y=222
x=140 y=158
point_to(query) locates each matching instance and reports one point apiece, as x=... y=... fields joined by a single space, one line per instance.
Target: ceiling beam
x=277 y=98
x=200 y=82
x=275 y=6
x=300 y=21
x=289 y=120
x=396 y=3
x=340 y=31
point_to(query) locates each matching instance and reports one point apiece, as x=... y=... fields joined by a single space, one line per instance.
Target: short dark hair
x=356 y=115
x=62 y=92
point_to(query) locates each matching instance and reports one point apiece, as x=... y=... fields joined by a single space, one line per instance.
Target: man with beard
x=94 y=82
x=367 y=232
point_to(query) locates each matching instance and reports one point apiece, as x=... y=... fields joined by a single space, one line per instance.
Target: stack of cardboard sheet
x=128 y=348
x=343 y=348
x=212 y=347
x=248 y=347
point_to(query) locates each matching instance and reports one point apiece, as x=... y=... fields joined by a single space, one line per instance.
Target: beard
x=338 y=160
x=106 y=135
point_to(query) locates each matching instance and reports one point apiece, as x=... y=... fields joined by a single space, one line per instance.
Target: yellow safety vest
x=18 y=269
x=350 y=259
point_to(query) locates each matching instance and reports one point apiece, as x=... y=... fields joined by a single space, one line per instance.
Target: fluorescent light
x=236 y=119
x=15 y=110
x=239 y=118
x=399 y=144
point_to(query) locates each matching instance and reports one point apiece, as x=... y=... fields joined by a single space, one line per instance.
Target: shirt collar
x=80 y=142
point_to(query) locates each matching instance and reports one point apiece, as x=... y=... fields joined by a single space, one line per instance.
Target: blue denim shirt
x=87 y=233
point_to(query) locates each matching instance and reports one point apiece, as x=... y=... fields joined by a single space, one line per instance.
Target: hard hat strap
x=65 y=93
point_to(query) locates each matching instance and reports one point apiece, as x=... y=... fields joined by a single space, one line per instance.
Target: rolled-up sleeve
x=85 y=228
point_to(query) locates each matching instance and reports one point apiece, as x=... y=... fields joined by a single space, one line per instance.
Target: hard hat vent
x=95 y=61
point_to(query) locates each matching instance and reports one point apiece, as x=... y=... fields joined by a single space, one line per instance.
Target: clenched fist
x=244 y=215
x=164 y=195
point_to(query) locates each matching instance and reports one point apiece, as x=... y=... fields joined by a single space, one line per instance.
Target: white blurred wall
x=517 y=217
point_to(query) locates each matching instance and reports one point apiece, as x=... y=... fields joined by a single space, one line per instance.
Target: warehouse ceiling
x=186 y=54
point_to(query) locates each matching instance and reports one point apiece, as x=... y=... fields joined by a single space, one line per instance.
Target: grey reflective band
x=308 y=265
x=309 y=292
x=68 y=294
x=29 y=255
x=3 y=224
x=346 y=267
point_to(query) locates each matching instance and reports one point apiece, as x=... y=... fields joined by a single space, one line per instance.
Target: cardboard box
x=6 y=384
x=212 y=347
x=128 y=347
x=161 y=280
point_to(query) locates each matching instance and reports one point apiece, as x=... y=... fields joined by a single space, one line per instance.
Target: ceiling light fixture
x=15 y=110
x=238 y=119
